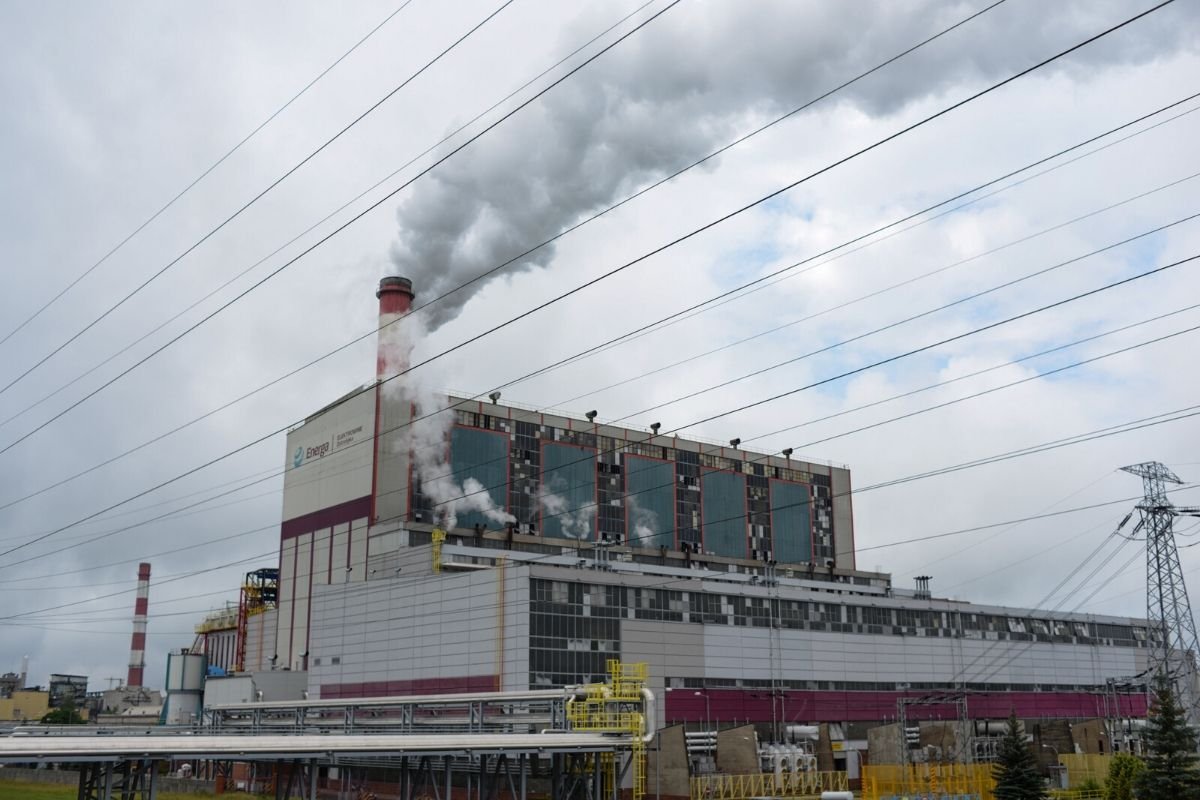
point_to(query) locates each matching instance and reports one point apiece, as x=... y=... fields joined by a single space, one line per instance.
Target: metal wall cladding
x=650 y=502
x=329 y=458
x=791 y=522
x=390 y=635
x=568 y=492
x=724 y=513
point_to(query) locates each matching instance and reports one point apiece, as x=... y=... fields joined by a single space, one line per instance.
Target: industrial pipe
x=803 y=732
x=649 y=715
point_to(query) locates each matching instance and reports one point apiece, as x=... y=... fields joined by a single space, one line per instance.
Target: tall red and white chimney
x=137 y=647
x=393 y=411
x=395 y=300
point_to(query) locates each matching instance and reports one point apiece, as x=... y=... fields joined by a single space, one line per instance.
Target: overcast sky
x=110 y=110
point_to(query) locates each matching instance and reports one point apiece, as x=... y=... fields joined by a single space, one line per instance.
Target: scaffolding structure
x=222 y=619
x=616 y=707
x=259 y=594
x=437 y=537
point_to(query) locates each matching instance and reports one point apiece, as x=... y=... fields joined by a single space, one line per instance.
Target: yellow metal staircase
x=616 y=707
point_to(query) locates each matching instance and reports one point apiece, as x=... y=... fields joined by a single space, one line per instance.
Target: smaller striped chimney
x=137 y=647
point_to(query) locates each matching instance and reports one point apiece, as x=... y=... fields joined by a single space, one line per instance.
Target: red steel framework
x=260 y=593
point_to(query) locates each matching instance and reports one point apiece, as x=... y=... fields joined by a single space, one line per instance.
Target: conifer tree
x=1171 y=763
x=1123 y=773
x=1015 y=769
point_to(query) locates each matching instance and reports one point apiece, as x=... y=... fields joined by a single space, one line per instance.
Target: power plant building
x=493 y=547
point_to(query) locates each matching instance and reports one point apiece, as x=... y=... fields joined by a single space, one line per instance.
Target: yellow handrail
x=766 y=784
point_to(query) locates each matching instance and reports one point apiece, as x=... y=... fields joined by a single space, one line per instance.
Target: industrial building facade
x=573 y=542
x=721 y=645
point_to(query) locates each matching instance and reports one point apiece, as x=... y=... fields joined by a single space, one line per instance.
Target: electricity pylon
x=1173 y=643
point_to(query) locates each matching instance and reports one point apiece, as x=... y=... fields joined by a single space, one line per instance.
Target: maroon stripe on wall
x=326 y=518
x=689 y=705
x=469 y=683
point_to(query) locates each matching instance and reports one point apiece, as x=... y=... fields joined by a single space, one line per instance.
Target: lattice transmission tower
x=1173 y=644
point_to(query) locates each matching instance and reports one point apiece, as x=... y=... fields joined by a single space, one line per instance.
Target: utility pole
x=1173 y=643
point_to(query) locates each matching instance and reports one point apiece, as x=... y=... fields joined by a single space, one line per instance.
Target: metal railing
x=934 y=781
x=488 y=712
x=767 y=784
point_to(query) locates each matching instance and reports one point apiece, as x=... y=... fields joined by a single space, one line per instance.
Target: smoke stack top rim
x=394 y=283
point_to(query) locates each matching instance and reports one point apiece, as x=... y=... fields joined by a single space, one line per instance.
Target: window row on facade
x=565 y=484
x=717 y=684
x=569 y=600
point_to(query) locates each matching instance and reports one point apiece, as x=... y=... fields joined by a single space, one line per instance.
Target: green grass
x=19 y=790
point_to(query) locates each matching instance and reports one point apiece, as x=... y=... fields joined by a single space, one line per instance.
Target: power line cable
x=1089 y=485
x=324 y=219
x=956 y=302
x=655 y=251
x=870 y=295
x=1004 y=525
x=252 y=201
x=1126 y=349
x=1010 y=384
x=714 y=154
x=126 y=452
x=1177 y=415
x=918 y=476
x=976 y=373
x=961 y=673
x=975 y=529
x=552 y=84
x=192 y=574
x=997 y=668
x=894 y=135
x=202 y=175
x=46 y=587
x=431 y=578
x=633 y=334
x=1038 y=554
x=890 y=359
x=541 y=371
x=328 y=236
x=455 y=474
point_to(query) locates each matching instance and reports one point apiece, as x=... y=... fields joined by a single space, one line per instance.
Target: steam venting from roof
x=691 y=82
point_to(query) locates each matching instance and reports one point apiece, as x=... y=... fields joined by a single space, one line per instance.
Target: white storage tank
x=185 y=687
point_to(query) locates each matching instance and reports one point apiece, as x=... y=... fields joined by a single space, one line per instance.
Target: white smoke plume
x=575 y=523
x=643 y=523
x=697 y=78
x=427 y=439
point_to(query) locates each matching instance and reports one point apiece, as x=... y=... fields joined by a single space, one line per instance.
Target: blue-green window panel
x=723 y=499
x=791 y=522
x=482 y=455
x=649 y=502
x=569 y=474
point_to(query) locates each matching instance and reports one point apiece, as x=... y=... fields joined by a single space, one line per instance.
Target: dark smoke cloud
x=692 y=81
